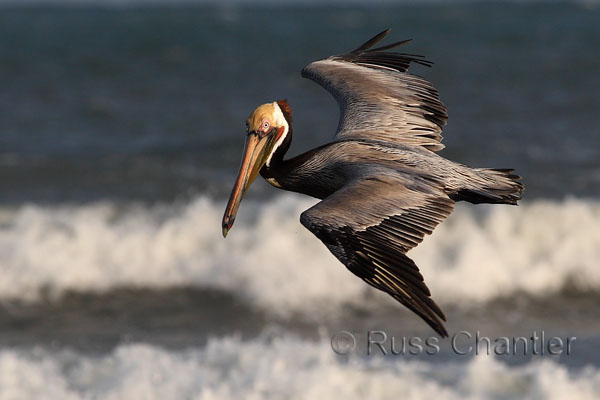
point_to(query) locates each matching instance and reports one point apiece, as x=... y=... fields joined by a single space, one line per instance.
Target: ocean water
x=122 y=129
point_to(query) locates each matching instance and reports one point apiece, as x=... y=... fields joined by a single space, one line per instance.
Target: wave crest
x=270 y=260
x=280 y=367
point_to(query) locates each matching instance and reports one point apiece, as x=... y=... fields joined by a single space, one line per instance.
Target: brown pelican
x=382 y=185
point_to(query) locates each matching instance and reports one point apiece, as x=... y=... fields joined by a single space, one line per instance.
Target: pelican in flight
x=381 y=184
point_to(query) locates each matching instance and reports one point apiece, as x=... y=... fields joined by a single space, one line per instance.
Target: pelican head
x=266 y=129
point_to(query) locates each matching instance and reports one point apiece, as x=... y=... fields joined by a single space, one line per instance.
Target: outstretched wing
x=370 y=224
x=379 y=99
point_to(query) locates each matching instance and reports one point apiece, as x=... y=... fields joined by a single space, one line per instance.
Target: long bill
x=252 y=161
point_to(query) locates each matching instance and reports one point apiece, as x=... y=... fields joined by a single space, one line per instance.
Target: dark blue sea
x=122 y=126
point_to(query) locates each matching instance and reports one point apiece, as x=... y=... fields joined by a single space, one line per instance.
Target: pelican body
x=383 y=186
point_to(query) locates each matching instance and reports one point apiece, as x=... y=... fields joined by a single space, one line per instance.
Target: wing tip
x=380 y=57
x=372 y=42
x=367 y=46
x=434 y=317
x=441 y=330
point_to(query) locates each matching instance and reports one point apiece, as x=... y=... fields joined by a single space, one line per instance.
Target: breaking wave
x=275 y=368
x=271 y=261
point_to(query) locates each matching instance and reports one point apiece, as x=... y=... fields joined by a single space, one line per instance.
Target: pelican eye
x=265 y=125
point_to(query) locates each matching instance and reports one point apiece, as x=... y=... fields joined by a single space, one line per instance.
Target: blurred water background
x=121 y=130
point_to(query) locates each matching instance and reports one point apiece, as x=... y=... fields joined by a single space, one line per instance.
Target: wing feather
x=371 y=234
x=379 y=99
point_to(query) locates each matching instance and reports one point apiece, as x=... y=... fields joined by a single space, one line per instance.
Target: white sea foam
x=277 y=368
x=270 y=260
